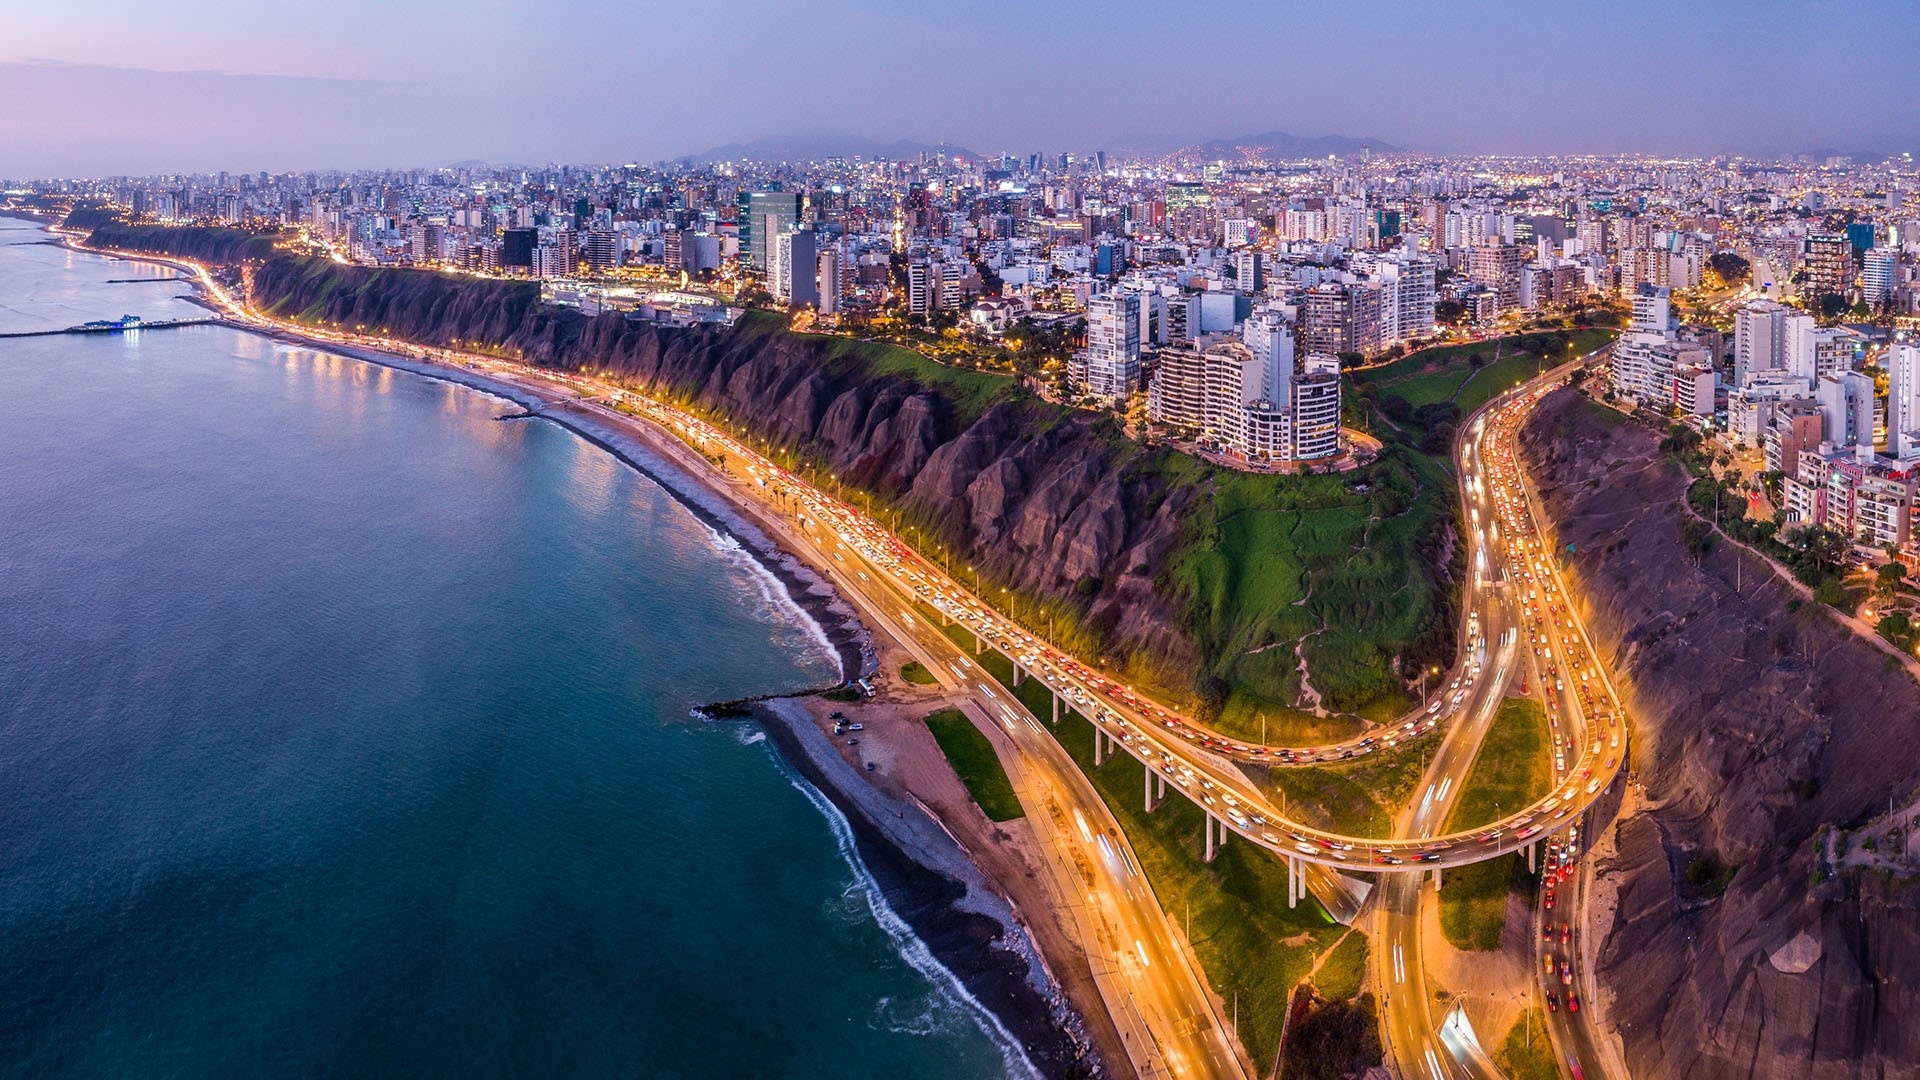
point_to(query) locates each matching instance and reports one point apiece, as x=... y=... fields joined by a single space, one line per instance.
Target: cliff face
x=1758 y=722
x=209 y=244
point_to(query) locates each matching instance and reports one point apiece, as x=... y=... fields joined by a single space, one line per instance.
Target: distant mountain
x=817 y=146
x=1275 y=145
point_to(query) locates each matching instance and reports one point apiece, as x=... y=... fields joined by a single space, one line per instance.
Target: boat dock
x=115 y=327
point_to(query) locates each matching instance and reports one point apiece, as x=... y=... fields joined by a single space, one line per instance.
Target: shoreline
x=988 y=953
x=930 y=882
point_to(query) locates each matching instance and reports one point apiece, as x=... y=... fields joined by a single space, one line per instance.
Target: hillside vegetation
x=202 y=243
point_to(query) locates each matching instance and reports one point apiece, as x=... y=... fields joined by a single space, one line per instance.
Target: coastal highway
x=1205 y=771
x=1202 y=764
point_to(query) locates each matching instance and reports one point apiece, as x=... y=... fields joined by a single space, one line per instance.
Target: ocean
x=345 y=730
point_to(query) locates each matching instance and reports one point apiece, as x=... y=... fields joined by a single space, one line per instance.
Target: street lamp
x=1434 y=670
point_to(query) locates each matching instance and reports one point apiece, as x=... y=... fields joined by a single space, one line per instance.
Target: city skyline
x=196 y=87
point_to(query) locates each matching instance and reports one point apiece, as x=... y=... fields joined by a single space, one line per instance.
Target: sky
x=96 y=87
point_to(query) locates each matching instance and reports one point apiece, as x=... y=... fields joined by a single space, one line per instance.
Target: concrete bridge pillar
x=979 y=644
x=1016 y=673
x=1436 y=879
x=1530 y=867
x=1148 y=770
x=1056 y=708
x=1099 y=747
x=1293 y=880
x=1212 y=849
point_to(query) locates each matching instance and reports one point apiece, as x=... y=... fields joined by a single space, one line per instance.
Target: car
x=1428 y=856
x=1566 y=973
x=1388 y=860
x=1546 y=932
x=1566 y=934
x=1547 y=962
x=1549 y=899
x=1553 y=1003
x=1573 y=1002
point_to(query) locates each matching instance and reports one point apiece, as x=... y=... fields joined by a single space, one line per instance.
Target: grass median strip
x=915 y=672
x=972 y=756
x=1512 y=770
x=1527 y=1053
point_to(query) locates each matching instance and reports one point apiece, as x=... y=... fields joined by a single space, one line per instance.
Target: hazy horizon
x=203 y=85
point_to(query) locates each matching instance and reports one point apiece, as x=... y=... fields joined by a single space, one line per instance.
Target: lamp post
x=1424 y=675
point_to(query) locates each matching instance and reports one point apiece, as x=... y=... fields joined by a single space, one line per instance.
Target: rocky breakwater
x=1736 y=939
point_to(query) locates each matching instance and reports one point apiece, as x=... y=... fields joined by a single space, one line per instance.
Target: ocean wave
x=886 y=1017
x=775 y=601
x=908 y=944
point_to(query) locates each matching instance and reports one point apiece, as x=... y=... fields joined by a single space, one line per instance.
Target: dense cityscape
x=1216 y=301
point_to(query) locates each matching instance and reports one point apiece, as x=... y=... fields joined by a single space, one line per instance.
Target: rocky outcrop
x=1759 y=723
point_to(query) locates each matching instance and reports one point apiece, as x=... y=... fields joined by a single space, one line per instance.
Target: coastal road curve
x=1144 y=728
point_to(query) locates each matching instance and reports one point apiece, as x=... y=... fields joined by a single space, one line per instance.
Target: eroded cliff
x=1762 y=730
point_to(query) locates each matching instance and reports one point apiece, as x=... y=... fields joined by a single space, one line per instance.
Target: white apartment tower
x=1903 y=401
x=1652 y=309
x=1113 y=345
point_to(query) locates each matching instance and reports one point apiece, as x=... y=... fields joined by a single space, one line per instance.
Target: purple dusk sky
x=118 y=86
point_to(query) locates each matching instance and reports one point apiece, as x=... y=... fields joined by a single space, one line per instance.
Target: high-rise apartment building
x=602 y=249
x=1846 y=407
x=1879 y=276
x=1112 y=355
x=829 y=274
x=1652 y=309
x=1497 y=267
x=1903 y=401
x=1829 y=266
x=793 y=273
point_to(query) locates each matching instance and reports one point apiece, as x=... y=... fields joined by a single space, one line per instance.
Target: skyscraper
x=1829 y=266
x=827 y=274
x=1903 y=401
x=1113 y=345
x=757 y=233
x=1878 y=275
x=793 y=275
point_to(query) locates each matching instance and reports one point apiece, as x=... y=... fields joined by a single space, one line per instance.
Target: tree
x=1732 y=269
x=1396 y=408
x=1897 y=627
x=1832 y=306
x=1887 y=579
